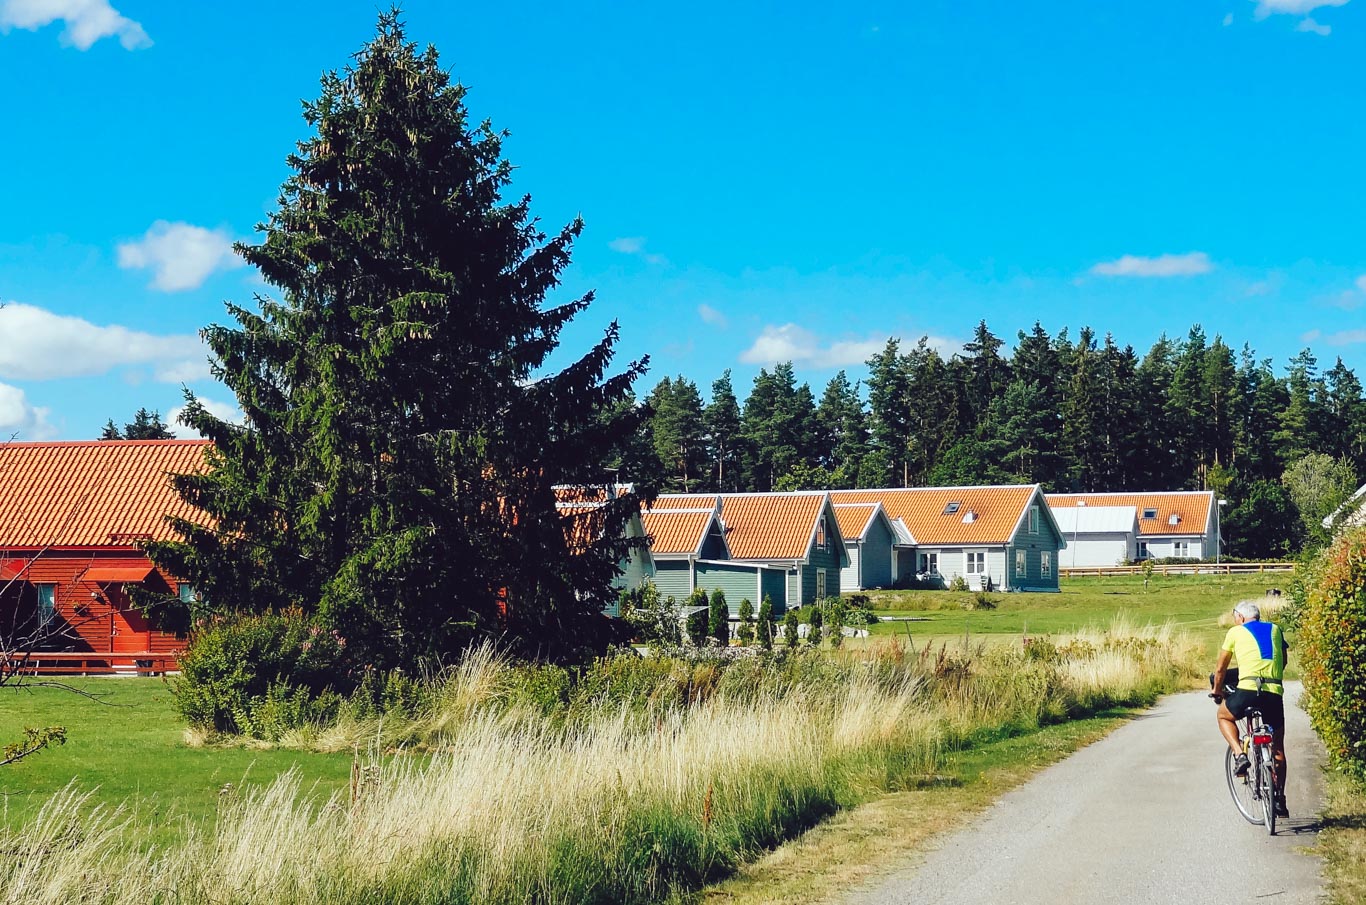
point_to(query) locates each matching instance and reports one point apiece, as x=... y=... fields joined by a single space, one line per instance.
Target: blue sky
x=759 y=181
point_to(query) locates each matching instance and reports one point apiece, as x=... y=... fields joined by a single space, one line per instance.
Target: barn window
x=47 y=603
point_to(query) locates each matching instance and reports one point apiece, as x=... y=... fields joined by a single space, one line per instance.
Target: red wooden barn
x=71 y=518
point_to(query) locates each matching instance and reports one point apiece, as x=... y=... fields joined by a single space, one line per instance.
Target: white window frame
x=1143 y=551
x=1045 y=564
x=975 y=562
x=1181 y=548
x=929 y=563
x=1021 y=562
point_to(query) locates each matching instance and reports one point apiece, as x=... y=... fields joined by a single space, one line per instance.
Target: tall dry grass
x=620 y=803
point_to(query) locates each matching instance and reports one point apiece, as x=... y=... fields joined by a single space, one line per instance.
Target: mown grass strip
x=1342 y=841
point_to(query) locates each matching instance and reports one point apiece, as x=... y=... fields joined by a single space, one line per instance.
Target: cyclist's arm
x=1220 y=669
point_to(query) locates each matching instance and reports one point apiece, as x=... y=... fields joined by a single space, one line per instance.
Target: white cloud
x=86 y=21
x=180 y=255
x=1292 y=7
x=635 y=245
x=225 y=411
x=1310 y=336
x=1360 y=282
x=1191 y=264
x=56 y=345
x=789 y=342
x=1345 y=338
x=1228 y=20
x=628 y=245
x=711 y=316
x=1308 y=24
x=20 y=419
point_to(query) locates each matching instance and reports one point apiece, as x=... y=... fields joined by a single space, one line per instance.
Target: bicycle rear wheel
x=1244 y=790
x=1266 y=779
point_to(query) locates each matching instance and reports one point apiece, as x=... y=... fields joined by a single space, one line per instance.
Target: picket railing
x=1192 y=568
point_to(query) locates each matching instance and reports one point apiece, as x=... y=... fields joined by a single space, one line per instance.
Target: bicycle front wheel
x=1266 y=778
x=1244 y=791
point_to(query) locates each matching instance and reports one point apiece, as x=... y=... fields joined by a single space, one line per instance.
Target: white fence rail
x=1194 y=568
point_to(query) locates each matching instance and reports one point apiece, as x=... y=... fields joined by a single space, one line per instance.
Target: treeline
x=1074 y=415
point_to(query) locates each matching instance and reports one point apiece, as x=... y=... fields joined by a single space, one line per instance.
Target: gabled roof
x=111 y=493
x=996 y=512
x=765 y=526
x=1095 y=519
x=1190 y=508
x=856 y=518
x=678 y=525
x=582 y=513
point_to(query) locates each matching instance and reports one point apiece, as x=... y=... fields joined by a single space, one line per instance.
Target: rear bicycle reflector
x=1261 y=738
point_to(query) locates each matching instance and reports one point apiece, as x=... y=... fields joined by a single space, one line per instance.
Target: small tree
x=813 y=636
x=766 y=627
x=697 y=627
x=835 y=607
x=746 y=632
x=718 y=618
x=790 y=628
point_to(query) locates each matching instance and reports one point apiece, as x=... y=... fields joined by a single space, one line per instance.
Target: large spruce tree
x=403 y=434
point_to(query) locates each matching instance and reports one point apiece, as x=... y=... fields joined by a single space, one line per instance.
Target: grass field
x=1193 y=603
x=127 y=744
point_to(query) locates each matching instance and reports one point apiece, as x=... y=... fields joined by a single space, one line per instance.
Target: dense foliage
x=1075 y=415
x=402 y=433
x=1331 y=622
x=144 y=426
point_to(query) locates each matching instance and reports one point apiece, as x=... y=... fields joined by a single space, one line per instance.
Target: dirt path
x=1141 y=816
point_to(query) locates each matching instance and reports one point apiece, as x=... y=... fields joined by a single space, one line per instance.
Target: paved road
x=1142 y=816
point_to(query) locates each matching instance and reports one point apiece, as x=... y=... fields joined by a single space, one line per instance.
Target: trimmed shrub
x=1331 y=646
x=746 y=631
x=813 y=636
x=766 y=627
x=697 y=627
x=790 y=628
x=718 y=618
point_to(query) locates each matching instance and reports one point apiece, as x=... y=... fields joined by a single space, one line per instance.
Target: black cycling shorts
x=1271 y=705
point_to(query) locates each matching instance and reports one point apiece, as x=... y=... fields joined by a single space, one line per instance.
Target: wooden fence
x=141 y=663
x=1194 y=568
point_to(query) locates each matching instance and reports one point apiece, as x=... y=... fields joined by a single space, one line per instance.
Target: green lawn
x=128 y=747
x=1193 y=602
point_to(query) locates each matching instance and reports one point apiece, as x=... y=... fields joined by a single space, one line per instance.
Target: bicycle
x=1254 y=792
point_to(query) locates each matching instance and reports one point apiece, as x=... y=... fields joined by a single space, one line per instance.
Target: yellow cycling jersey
x=1259 y=648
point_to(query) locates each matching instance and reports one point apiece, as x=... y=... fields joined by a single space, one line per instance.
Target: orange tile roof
x=854 y=518
x=997 y=511
x=675 y=532
x=771 y=525
x=1192 y=507
x=93 y=494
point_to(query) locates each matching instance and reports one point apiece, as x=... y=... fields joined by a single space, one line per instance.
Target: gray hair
x=1249 y=610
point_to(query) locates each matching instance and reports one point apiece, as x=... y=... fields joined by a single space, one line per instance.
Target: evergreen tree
x=1082 y=415
x=678 y=433
x=111 y=431
x=766 y=628
x=402 y=437
x=889 y=402
x=723 y=425
x=718 y=618
x=1304 y=412
x=779 y=426
x=843 y=428
x=745 y=633
x=144 y=426
x=1264 y=524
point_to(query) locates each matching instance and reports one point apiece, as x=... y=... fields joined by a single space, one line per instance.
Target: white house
x=1181 y=523
x=1097 y=535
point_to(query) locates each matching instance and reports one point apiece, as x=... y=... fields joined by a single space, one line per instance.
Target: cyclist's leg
x=1274 y=712
x=1228 y=727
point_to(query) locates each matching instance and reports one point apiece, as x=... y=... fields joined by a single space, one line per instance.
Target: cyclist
x=1261 y=651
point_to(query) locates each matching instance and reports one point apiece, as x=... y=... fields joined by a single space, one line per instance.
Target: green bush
x=766 y=627
x=959 y=583
x=813 y=635
x=746 y=631
x=790 y=628
x=718 y=618
x=1331 y=618
x=261 y=675
x=697 y=625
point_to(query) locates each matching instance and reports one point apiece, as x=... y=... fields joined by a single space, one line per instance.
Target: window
x=929 y=563
x=187 y=593
x=1033 y=519
x=977 y=562
x=47 y=603
x=1045 y=564
x=820 y=534
x=951 y=508
x=1021 y=565
x=820 y=584
x=1150 y=513
x=1143 y=550
x=1181 y=548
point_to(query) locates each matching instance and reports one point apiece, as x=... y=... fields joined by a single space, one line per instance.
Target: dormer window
x=952 y=508
x=1174 y=520
x=1150 y=513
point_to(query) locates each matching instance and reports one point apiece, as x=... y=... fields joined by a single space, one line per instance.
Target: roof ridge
x=111 y=444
